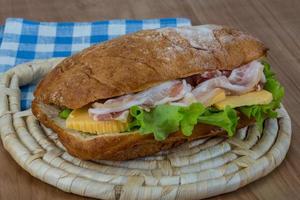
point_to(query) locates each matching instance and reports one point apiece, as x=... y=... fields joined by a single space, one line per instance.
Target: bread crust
x=138 y=61
x=120 y=146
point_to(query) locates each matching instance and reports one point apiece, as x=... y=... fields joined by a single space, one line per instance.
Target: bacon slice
x=211 y=87
x=207 y=98
x=196 y=79
x=120 y=116
x=161 y=94
x=240 y=81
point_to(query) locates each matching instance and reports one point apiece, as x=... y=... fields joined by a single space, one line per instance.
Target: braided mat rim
x=195 y=170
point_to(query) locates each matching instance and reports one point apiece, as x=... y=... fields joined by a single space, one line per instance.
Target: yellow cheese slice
x=80 y=120
x=215 y=96
x=251 y=98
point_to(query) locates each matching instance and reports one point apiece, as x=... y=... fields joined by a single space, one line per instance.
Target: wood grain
x=276 y=22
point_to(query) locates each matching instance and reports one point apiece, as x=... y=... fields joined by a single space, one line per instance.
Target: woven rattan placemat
x=195 y=170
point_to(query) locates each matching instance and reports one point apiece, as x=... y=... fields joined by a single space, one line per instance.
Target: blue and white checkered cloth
x=24 y=40
x=1 y=33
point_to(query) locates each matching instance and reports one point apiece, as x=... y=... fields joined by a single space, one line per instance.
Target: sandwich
x=152 y=90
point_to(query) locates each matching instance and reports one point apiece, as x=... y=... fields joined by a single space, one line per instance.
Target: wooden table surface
x=276 y=22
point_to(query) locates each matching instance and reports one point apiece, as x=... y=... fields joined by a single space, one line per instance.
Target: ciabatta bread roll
x=133 y=63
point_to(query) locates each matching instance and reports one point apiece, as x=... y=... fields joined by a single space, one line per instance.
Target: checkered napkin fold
x=22 y=40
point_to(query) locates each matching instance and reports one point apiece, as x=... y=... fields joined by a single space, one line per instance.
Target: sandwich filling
x=214 y=97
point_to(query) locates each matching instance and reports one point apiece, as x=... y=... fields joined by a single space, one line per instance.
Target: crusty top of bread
x=143 y=59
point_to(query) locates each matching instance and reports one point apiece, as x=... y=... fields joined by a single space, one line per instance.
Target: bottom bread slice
x=118 y=146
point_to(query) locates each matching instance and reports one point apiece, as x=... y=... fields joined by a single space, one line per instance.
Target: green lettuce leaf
x=190 y=117
x=165 y=119
x=64 y=114
x=261 y=112
x=226 y=119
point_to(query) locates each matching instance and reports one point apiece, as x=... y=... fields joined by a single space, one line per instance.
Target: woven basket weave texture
x=195 y=170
